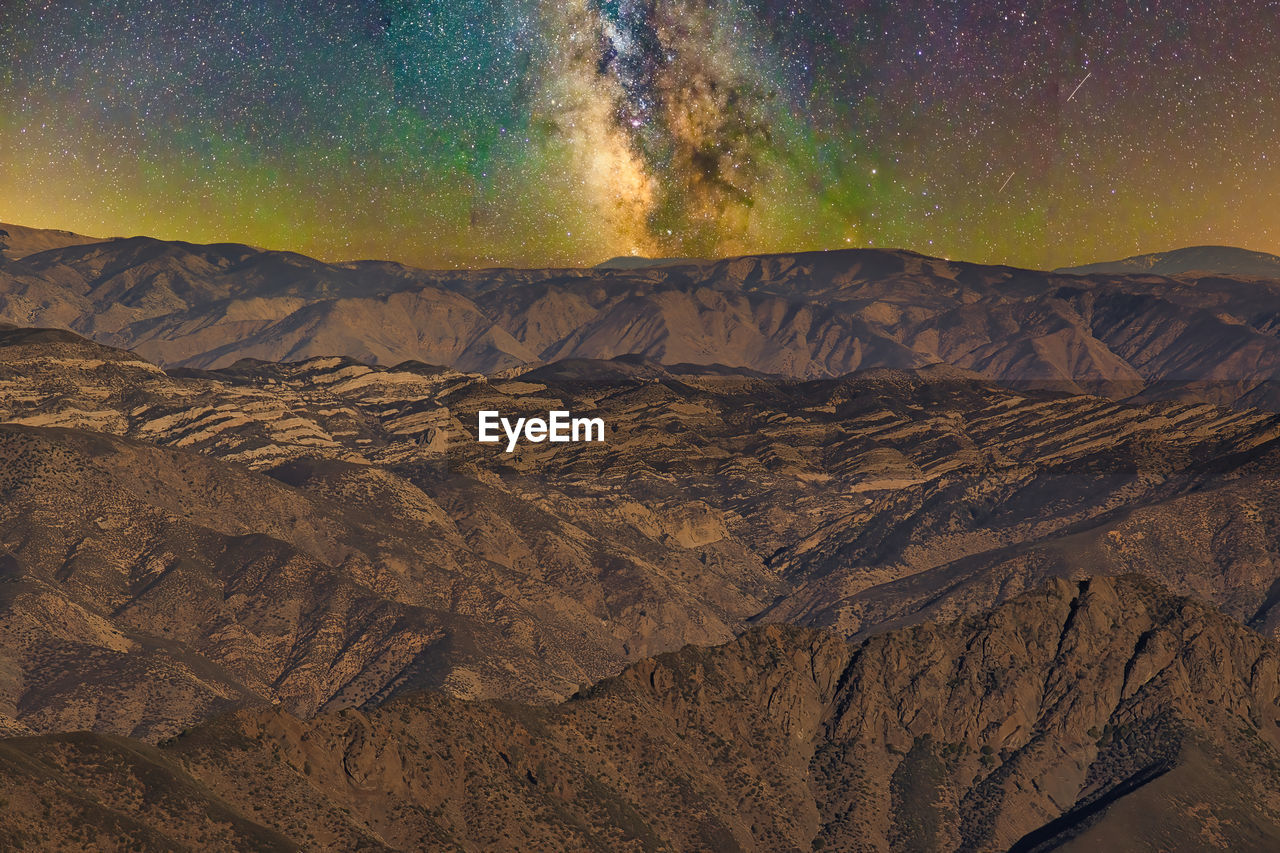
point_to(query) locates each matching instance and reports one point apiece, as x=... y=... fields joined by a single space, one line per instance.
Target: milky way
x=531 y=132
x=677 y=111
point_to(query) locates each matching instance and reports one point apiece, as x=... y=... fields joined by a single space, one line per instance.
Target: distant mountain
x=810 y=315
x=1203 y=260
x=23 y=241
x=635 y=262
x=1103 y=715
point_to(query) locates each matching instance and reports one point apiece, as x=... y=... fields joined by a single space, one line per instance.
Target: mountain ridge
x=1211 y=260
x=808 y=315
x=23 y=241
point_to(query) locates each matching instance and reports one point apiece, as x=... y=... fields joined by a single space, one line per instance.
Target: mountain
x=1099 y=715
x=328 y=534
x=879 y=551
x=1210 y=338
x=22 y=241
x=635 y=262
x=141 y=596
x=1201 y=260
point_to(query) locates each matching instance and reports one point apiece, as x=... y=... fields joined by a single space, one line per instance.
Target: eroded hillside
x=328 y=534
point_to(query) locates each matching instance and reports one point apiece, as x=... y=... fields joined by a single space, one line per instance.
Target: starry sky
x=563 y=132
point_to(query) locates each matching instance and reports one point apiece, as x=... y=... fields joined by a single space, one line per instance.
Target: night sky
x=568 y=131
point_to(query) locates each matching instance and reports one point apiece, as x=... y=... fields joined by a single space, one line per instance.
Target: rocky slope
x=175 y=546
x=1210 y=337
x=1100 y=714
x=328 y=534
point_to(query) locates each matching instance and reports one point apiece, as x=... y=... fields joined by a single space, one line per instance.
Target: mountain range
x=881 y=552
x=1210 y=337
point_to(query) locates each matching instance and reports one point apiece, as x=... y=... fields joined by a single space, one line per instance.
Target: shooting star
x=1006 y=181
x=1078 y=85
